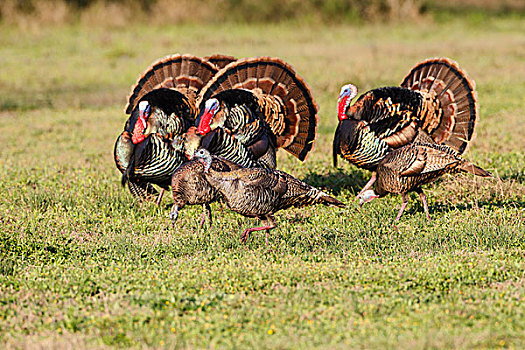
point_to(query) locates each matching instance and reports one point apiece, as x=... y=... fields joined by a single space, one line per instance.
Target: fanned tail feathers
x=456 y=116
x=219 y=60
x=284 y=98
x=185 y=73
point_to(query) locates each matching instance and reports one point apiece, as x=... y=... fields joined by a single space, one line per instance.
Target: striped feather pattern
x=432 y=98
x=170 y=86
x=282 y=96
x=450 y=98
x=155 y=161
x=220 y=143
x=408 y=168
x=258 y=192
x=185 y=73
x=219 y=60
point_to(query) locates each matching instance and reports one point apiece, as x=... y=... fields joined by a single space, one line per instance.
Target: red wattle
x=138 y=131
x=204 y=125
x=341 y=108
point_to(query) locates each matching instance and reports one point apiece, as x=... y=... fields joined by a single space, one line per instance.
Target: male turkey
x=436 y=96
x=254 y=106
x=161 y=107
x=407 y=168
x=260 y=192
x=219 y=60
x=189 y=186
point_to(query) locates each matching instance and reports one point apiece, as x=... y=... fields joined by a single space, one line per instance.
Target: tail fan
x=185 y=73
x=219 y=60
x=284 y=98
x=331 y=201
x=474 y=169
x=457 y=114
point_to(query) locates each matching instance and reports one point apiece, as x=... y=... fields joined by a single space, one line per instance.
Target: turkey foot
x=403 y=206
x=369 y=183
x=270 y=224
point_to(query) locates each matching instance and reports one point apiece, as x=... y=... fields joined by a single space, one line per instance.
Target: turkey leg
x=207 y=213
x=160 y=196
x=424 y=200
x=369 y=183
x=270 y=224
x=403 y=206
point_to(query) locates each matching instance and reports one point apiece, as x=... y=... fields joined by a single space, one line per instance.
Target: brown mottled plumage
x=263 y=104
x=189 y=185
x=406 y=169
x=436 y=97
x=260 y=192
x=161 y=107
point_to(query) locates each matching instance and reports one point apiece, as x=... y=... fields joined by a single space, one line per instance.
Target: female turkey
x=260 y=192
x=254 y=106
x=161 y=107
x=188 y=184
x=407 y=168
x=436 y=96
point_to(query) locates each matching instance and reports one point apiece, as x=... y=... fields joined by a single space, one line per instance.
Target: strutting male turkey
x=260 y=192
x=407 y=168
x=254 y=106
x=162 y=106
x=436 y=96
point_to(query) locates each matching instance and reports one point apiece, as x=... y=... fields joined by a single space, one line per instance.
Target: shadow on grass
x=338 y=180
x=438 y=207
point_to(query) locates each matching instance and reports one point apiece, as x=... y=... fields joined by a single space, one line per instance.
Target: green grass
x=82 y=265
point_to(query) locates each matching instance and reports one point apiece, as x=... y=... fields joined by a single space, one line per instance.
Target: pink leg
x=424 y=200
x=208 y=214
x=369 y=183
x=270 y=225
x=403 y=206
x=160 y=196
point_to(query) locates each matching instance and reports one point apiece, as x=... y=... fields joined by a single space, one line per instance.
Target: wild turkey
x=407 y=168
x=161 y=107
x=436 y=96
x=257 y=105
x=260 y=192
x=189 y=186
x=219 y=60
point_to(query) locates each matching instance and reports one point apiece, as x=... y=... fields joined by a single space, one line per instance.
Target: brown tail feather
x=331 y=201
x=443 y=79
x=181 y=72
x=219 y=60
x=474 y=169
x=274 y=82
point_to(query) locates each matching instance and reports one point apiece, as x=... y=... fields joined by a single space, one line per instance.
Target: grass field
x=83 y=266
